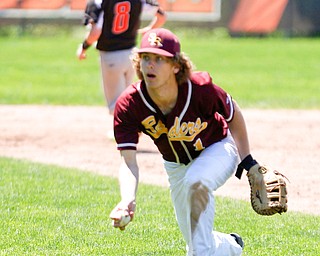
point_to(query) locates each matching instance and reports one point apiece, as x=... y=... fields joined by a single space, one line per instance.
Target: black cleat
x=238 y=239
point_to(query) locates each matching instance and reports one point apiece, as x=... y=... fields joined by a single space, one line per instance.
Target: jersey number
x=198 y=145
x=121 y=17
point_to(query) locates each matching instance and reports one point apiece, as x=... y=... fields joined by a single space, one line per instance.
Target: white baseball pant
x=117 y=73
x=211 y=169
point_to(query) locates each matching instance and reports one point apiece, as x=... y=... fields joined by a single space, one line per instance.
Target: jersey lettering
x=121 y=17
x=153 y=128
x=186 y=131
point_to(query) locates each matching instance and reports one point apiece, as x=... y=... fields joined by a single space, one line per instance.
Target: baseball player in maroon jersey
x=114 y=25
x=197 y=127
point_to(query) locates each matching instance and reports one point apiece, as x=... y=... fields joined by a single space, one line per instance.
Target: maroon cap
x=160 y=41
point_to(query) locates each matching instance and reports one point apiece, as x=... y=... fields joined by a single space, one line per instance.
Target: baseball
x=125 y=219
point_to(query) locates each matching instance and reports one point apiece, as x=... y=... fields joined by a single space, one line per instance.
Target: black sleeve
x=155 y=3
x=152 y=2
x=91 y=13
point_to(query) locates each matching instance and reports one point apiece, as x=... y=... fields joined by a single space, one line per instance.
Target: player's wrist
x=85 y=45
x=248 y=162
x=245 y=164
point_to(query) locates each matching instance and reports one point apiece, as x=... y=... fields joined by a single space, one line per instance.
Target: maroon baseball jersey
x=198 y=119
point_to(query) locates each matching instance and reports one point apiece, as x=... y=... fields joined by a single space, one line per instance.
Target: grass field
x=263 y=73
x=49 y=210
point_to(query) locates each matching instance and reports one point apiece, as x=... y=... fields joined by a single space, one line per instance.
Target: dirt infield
x=287 y=140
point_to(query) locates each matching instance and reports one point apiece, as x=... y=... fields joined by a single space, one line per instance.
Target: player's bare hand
x=81 y=53
x=122 y=214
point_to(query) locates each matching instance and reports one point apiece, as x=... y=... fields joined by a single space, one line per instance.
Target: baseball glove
x=268 y=190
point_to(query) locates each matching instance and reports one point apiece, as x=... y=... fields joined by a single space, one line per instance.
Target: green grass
x=46 y=210
x=263 y=73
x=45 y=70
x=257 y=72
x=49 y=210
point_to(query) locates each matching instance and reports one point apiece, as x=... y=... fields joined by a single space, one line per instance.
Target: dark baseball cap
x=160 y=41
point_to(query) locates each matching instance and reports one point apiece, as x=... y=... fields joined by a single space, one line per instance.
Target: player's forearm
x=159 y=20
x=93 y=35
x=128 y=179
x=239 y=132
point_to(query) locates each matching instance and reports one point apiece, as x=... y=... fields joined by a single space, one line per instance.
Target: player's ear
x=176 y=70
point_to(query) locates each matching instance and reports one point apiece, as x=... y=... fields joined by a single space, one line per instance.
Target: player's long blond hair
x=181 y=60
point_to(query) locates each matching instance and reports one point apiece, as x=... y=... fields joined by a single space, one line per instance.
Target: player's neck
x=165 y=98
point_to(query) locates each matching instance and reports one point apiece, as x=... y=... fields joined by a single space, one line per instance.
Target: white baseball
x=125 y=219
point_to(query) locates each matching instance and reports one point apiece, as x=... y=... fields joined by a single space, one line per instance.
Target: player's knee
x=199 y=196
x=199 y=200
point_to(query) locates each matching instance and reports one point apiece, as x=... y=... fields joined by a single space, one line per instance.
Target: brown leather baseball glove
x=268 y=187
x=268 y=190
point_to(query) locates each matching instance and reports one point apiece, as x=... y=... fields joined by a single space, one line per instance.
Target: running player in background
x=114 y=26
x=197 y=127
